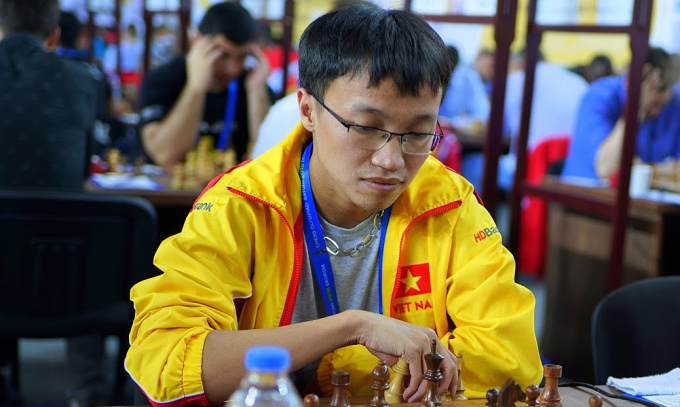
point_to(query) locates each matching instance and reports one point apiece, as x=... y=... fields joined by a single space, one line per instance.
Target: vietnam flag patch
x=415 y=280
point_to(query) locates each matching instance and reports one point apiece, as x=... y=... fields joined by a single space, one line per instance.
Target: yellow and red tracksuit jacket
x=243 y=240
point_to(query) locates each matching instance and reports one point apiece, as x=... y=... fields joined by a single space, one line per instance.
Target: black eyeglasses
x=373 y=138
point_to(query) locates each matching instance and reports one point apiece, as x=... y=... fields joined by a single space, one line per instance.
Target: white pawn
x=396 y=391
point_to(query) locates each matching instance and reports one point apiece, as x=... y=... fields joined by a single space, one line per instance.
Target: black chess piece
x=433 y=361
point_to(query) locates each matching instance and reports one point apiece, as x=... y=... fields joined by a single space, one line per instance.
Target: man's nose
x=390 y=156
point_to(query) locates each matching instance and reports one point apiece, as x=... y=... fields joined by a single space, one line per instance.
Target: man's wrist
x=259 y=90
x=352 y=322
x=195 y=89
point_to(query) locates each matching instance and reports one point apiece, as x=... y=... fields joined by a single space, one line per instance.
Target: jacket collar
x=25 y=39
x=274 y=178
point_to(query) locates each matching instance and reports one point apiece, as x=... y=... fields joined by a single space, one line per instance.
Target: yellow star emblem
x=410 y=282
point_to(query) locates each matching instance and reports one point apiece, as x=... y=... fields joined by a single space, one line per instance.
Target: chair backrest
x=534 y=222
x=69 y=261
x=636 y=329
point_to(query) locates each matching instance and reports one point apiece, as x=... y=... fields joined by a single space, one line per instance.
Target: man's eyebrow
x=364 y=108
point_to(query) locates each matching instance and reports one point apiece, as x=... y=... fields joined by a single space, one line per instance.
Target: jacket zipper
x=441 y=209
x=297 y=262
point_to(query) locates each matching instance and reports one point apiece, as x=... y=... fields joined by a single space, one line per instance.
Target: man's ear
x=53 y=40
x=308 y=107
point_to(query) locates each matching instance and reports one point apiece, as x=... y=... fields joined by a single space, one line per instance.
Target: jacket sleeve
x=493 y=316
x=204 y=269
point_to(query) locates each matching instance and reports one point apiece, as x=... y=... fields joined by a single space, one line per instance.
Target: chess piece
x=340 y=382
x=177 y=180
x=113 y=159
x=229 y=160
x=492 y=398
x=311 y=400
x=460 y=389
x=204 y=159
x=395 y=392
x=595 y=401
x=550 y=396
x=433 y=361
x=532 y=395
x=509 y=394
x=138 y=166
x=426 y=403
x=380 y=377
x=190 y=181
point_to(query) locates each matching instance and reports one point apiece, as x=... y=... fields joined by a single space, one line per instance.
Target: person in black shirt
x=207 y=90
x=108 y=129
x=46 y=103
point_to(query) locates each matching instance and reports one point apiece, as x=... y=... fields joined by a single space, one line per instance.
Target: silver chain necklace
x=335 y=250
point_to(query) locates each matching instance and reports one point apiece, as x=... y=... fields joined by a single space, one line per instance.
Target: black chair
x=68 y=263
x=636 y=330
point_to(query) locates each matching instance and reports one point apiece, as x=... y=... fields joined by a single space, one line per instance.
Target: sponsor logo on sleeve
x=203 y=206
x=484 y=233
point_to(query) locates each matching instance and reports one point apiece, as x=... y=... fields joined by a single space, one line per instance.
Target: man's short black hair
x=603 y=63
x=70 y=29
x=230 y=20
x=662 y=60
x=386 y=44
x=454 y=55
x=37 y=17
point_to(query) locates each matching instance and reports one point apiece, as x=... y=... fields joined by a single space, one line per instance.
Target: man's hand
x=256 y=79
x=390 y=339
x=200 y=60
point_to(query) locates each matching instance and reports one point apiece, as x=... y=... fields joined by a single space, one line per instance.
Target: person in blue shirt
x=466 y=100
x=598 y=135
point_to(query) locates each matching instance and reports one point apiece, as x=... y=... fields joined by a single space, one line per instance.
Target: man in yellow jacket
x=345 y=243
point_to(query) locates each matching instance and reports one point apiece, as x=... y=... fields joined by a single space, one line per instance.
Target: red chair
x=533 y=225
x=449 y=150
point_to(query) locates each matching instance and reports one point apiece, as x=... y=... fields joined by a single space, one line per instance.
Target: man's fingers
x=453 y=386
x=204 y=44
x=420 y=393
x=416 y=371
x=212 y=56
x=447 y=373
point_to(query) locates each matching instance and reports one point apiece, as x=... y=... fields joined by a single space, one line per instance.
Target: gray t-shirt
x=356 y=277
x=356 y=283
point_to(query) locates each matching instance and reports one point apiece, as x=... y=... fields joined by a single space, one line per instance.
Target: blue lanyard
x=316 y=245
x=383 y=233
x=229 y=115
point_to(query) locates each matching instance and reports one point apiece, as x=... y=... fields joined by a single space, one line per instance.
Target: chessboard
x=202 y=164
x=666 y=176
x=509 y=395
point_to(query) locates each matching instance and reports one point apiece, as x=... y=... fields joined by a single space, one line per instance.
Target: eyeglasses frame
x=437 y=137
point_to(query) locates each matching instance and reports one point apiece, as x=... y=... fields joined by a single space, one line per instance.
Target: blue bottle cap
x=267 y=359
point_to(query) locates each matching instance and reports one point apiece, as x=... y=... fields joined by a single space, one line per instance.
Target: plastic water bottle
x=266 y=383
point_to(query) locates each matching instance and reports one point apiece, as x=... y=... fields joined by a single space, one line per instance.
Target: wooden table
x=162 y=198
x=577 y=263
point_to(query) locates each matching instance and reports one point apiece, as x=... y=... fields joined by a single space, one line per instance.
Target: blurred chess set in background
x=201 y=164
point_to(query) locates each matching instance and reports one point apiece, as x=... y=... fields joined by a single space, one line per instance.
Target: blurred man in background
x=485 y=66
x=598 y=137
x=208 y=91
